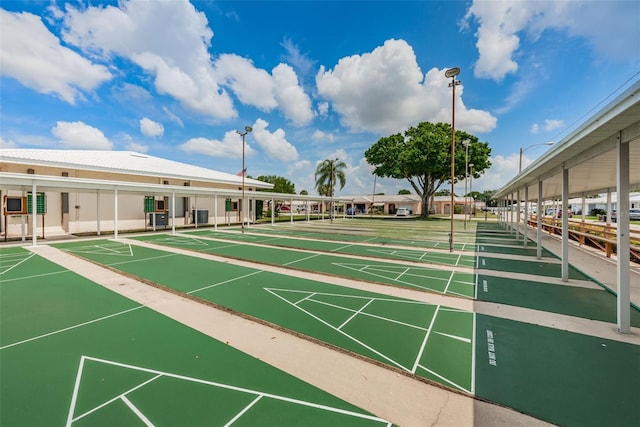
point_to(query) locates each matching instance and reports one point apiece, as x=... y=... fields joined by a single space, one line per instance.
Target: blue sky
x=315 y=79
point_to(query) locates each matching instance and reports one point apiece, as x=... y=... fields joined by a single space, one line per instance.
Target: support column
x=526 y=216
x=517 y=214
x=539 y=224
x=34 y=213
x=608 y=206
x=623 y=266
x=98 y=212
x=215 y=212
x=115 y=213
x=273 y=211
x=173 y=212
x=565 y=224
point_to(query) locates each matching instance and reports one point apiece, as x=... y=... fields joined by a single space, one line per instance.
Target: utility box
x=203 y=216
x=162 y=218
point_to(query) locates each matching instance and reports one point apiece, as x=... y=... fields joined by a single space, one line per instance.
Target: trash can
x=203 y=216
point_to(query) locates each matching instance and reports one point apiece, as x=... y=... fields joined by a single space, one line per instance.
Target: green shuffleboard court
x=431 y=279
x=73 y=353
x=422 y=256
x=431 y=341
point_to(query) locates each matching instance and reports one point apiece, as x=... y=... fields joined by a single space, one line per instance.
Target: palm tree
x=328 y=172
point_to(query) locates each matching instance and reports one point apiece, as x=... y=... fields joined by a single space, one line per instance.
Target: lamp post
x=522 y=150
x=452 y=73
x=466 y=143
x=247 y=129
x=471 y=187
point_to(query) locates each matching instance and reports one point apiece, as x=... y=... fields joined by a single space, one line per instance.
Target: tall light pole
x=522 y=150
x=471 y=186
x=247 y=129
x=452 y=73
x=466 y=143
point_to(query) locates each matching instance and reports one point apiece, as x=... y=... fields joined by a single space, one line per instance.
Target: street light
x=247 y=129
x=452 y=73
x=466 y=143
x=331 y=190
x=471 y=186
x=522 y=150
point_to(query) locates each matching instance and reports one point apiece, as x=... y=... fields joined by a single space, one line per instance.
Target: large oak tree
x=422 y=156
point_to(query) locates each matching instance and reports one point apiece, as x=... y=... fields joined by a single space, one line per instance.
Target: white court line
x=446 y=288
x=301 y=259
x=305 y=298
x=226 y=281
x=120 y=396
x=445 y=379
x=137 y=411
x=15 y=265
x=142 y=259
x=424 y=342
x=343 y=333
x=222 y=386
x=402 y=274
x=375 y=316
x=4 y=281
x=355 y=313
x=69 y=328
x=473 y=355
x=245 y=409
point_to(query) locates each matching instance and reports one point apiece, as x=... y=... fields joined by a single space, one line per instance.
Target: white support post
x=98 y=212
x=517 y=214
x=539 y=224
x=215 y=212
x=115 y=213
x=565 y=224
x=34 y=213
x=623 y=249
x=526 y=216
x=608 y=206
x=584 y=208
x=291 y=210
x=173 y=212
x=195 y=211
x=273 y=211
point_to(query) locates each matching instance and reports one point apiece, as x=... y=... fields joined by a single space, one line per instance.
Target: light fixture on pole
x=466 y=143
x=522 y=150
x=452 y=73
x=471 y=188
x=247 y=129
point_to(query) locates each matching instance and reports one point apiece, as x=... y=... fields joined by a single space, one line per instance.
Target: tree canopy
x=328 y=173
x=422 y=156
x=280 y=184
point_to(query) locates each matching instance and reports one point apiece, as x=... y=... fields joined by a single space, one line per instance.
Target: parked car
x=634 y=215
x=403 y=212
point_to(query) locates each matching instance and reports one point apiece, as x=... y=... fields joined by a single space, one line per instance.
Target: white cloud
x=323 y=108
x=384 y=91
x=502 y=23
x=295 y=104
x=550 y=125
x=252 y=86
x=318 y=135
x=138 y=148
x=31 y=54
x=168 y=39
x=79 y=135
x=229 y=147
x=150 y=128
x=7 y=143
x=274 y=144
x=299 y=61
x=502 y=170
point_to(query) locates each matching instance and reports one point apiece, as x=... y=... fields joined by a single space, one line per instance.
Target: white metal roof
x=588 y=152
x=127 y=162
